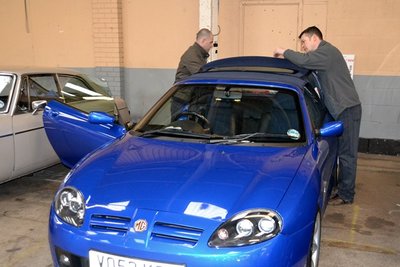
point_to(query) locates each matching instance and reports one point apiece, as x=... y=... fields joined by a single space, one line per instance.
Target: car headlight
x=247 y=228
x=69 y=205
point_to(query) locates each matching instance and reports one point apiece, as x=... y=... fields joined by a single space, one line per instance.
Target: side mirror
x=38 y=105
x=331 y=129
x=99 y=117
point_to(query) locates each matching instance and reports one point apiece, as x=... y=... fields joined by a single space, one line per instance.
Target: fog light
x=64 y=260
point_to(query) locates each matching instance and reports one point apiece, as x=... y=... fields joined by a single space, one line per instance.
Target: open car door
x=74 y=133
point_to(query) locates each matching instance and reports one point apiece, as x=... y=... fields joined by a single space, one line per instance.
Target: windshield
x=5 y=89
x=227 y=113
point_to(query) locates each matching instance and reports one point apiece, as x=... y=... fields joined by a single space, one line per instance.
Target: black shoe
x=338 y=201
x=334 y=196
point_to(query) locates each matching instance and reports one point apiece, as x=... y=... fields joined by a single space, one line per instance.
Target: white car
x=23 y=141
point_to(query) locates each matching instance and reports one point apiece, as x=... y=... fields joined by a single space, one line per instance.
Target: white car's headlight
x=246 y=228
x=69 y=205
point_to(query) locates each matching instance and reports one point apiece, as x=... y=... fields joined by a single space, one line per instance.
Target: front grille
x=106 y=223
x=174 y=233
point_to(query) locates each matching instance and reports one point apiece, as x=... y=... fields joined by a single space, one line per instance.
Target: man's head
x=310 y=39
x=205 y=39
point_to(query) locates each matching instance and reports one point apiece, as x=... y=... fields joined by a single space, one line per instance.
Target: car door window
x=76 y=92
x=36 y=87
x=43 y=86
x=314 y=85
x=315 y=107
x=5 y=90
x=74 y=89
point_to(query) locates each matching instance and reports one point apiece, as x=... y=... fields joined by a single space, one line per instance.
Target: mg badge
x=140 y=225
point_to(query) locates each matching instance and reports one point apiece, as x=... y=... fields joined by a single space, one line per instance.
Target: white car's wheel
x=315 y=246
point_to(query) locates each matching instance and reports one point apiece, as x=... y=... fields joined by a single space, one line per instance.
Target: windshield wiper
x=247 y=138
x=215 y=139
x=174 y=131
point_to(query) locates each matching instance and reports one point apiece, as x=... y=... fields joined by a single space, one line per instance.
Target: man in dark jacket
x=340 y=98
x=196 y=55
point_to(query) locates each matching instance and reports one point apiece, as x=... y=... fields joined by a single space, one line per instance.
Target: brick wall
x=108 y=42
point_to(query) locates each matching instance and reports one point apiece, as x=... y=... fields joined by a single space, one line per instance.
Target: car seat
x=222 y=118
x=283 y=115
x=122 y=112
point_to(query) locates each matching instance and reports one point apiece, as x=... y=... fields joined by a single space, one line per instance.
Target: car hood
x=191 y=178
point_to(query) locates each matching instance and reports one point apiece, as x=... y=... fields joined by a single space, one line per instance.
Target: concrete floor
x=366 y=233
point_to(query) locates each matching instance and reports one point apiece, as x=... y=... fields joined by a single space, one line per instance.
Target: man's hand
x=278 y=52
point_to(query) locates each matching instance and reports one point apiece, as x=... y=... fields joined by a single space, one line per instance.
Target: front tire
x=315 y=244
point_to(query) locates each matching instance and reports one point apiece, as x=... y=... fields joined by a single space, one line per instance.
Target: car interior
x=230 y=111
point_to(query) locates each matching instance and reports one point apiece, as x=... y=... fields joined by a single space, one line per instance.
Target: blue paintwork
x=96 y=117
x=167 y=177
x=332 y=129
x=163 y=181
x=71 y=134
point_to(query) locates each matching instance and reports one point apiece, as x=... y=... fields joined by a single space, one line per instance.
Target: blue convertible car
x=233 y=166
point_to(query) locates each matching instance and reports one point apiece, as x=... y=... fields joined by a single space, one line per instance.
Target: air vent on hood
x=112 y=224
x=178 y=234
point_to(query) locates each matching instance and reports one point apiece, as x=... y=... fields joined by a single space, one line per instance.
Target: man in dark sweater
x=196 y=55
x=340 y=97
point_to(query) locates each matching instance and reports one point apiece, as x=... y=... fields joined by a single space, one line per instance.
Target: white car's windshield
x=5 y=89
x=228 y=113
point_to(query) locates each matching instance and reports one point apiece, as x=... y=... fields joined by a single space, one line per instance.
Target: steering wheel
x=206 y=123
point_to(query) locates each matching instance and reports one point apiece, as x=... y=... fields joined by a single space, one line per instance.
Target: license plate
x=100 y=259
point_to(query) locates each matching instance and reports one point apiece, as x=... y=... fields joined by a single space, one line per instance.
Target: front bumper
x=76 y=243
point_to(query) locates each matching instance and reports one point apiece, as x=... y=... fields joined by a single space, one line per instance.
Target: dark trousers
x=348 y=148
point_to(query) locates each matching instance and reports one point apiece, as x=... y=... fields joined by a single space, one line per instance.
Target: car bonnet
x=179 y=177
